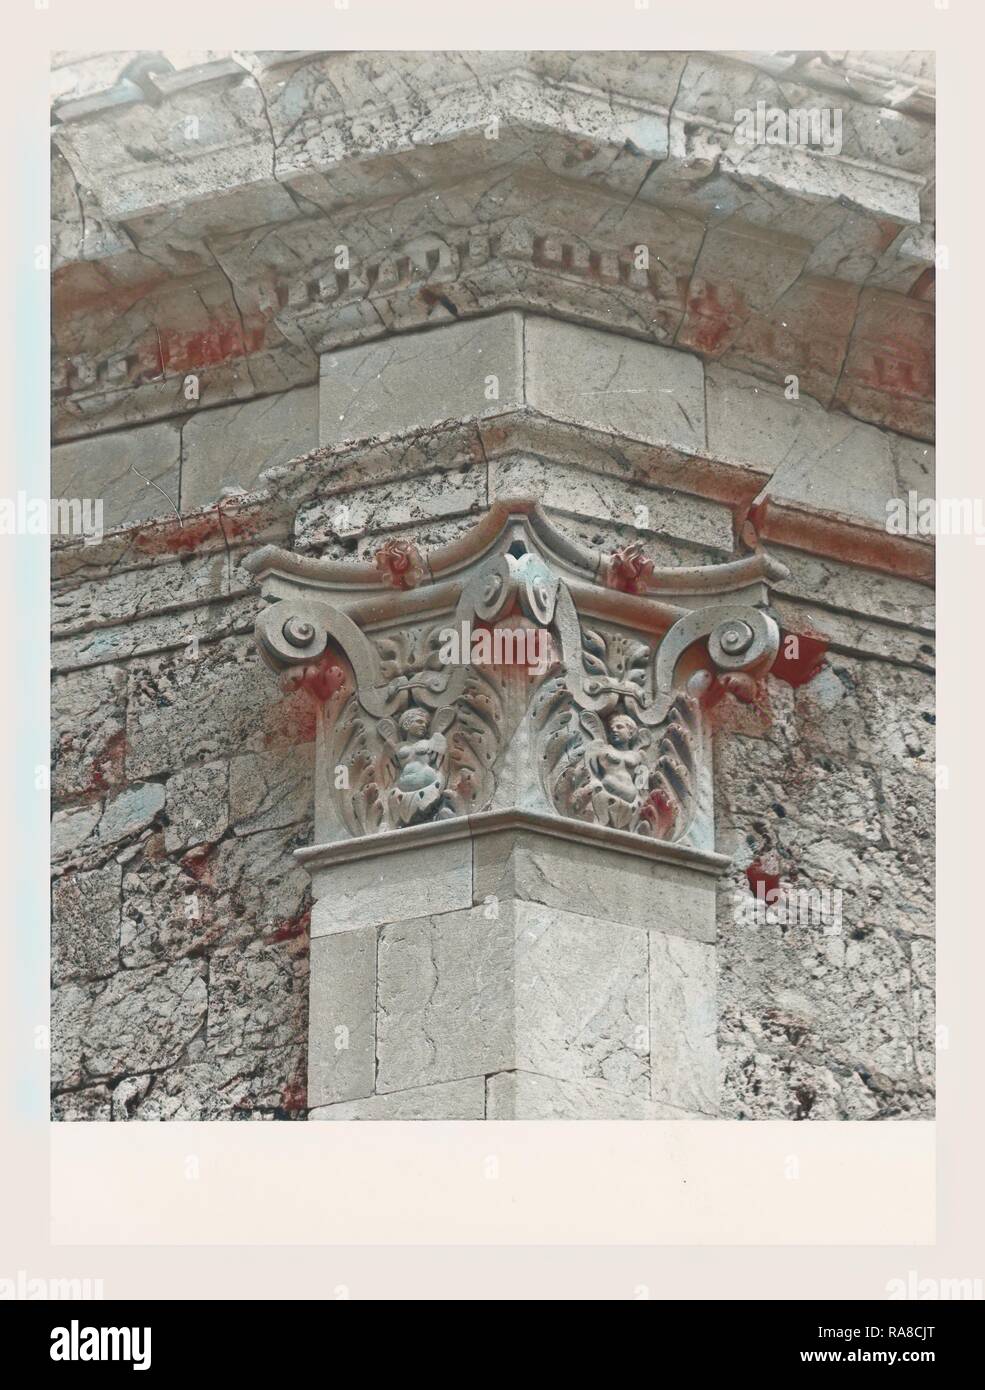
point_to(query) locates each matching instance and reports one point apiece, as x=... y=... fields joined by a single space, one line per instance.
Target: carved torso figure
x=619 y=776
x=421 y=752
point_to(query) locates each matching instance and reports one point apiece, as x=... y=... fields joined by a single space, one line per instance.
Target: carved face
x=622 y=730
x=413 y=723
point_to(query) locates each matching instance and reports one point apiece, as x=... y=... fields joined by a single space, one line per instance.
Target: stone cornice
x=272 y=563
x=229 y=272
x=332 y=469
x=316 y=858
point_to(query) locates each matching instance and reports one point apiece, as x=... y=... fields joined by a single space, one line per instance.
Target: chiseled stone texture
x=85 y=911
x=596 y=882
x=395 y=887
x=179 y=916
x=614 y=384
x=770 y=257
x=142 y=1019
x=683 y=1023
x=123 y=470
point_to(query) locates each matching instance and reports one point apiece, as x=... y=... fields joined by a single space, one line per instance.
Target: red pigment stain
x=629 y=570
x=109 y=764
x=893 y=374
x=764 y=880
x=294 y=1096
x=922 y=287
x=222 y=340
x=176 y=539
x=294 y=719
x=290 y=721
x=80 y=290
x=321 y=680
x=400 y=564
x=289 y=929
x=197 y=864
x=729 y=716
x=659 y=811
x=800 y=658
x=710 y=323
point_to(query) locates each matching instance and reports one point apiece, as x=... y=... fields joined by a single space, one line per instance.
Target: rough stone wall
x=182 y=779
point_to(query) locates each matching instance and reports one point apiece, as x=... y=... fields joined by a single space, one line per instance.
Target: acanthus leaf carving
x=616 y=733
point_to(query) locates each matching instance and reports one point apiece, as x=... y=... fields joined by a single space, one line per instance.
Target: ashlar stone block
x=581 y=999
x=445 y=998
x=467 y=369
x=342 y=1017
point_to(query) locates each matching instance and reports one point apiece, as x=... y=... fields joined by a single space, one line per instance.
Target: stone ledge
x=318 y=857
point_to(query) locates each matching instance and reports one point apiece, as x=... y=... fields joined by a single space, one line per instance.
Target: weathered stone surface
x=584 y=494
x=641 y=283
x=683 y=1023
x=178 y=632
x=196 y=801
x=271 y=789
x=130 y=811
x=85 y=925
x=581 y=999
x=614 y=384
x=431 y=497
x=257 y=996
x=173 y=585
x=162 y=910
x=448 y=1100
x=235 y=891
x=185 y=709
x=71 y=828
x=445 y=999
x=87 y=731
x=889 y=369
x=266 y=1085
x=89 y=1103
x=471 y=369
x=231 y=447
x=110 y=468
x=139 y=1020
x=342 y=1035
x=816 y=458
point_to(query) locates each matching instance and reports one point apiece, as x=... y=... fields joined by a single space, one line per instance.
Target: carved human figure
x=420 y=748
x=619 y=776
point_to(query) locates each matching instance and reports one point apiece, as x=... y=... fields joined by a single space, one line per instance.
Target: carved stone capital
x=515 y=673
